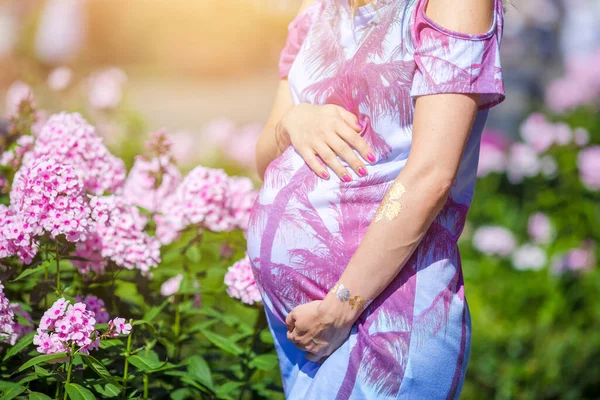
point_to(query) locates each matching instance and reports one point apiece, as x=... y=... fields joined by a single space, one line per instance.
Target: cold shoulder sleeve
x=297 y=31
x=454 y=62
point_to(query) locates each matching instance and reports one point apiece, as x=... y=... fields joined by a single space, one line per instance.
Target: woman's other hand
x=314 y=328
x=325 y=131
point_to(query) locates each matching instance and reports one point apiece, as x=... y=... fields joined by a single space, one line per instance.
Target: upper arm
x=457 y=49
x=458 y=72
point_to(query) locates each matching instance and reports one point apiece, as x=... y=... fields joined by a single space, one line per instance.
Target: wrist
x=339 y=312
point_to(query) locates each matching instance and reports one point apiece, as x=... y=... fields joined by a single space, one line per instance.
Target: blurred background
x=206 y=71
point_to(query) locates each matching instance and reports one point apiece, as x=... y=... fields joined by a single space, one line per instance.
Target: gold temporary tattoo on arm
x=390 y=206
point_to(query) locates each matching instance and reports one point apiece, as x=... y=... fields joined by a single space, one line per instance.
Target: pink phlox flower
x=71 y=140
x=241 y=283
x=119 y=326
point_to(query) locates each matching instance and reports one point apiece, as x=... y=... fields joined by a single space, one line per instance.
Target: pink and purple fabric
x=413 y=341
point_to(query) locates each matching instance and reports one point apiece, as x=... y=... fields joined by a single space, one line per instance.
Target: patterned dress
x=413 y=341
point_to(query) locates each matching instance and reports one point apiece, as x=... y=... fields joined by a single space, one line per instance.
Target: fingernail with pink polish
x=325 y=175
x=362 y=171
x=371 y=157
x=346 y=178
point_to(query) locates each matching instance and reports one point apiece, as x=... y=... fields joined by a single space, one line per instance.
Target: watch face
x=343 y=294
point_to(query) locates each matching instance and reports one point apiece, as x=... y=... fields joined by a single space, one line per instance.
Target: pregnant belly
x=303 y=231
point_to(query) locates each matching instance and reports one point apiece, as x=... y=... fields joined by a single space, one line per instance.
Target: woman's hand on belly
x=325 y=131
x=311 y=329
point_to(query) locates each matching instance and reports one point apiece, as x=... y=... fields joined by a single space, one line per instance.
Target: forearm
x=392 y=237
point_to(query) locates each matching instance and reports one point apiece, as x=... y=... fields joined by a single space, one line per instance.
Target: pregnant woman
x=369 y=161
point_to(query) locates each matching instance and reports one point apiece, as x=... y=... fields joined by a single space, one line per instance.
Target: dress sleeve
x=297 y=31
x=454 y=62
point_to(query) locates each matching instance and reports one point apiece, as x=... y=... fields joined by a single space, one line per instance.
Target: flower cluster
x=50 y=198
x=588 y=163
x=242 y=199
x=118 y=326
x=494 y=240
x=241 y=283
x=16 y=238
x=575 y=260
x=64 y=325
x=202 y=198
x=209 y=199
x=7 y=320
x=150 y=182
x=119 y=236
x=70 y=139
x=95 y=305
x=580 y=85
x=90 y=250
x=539 y=228
x=171 y=286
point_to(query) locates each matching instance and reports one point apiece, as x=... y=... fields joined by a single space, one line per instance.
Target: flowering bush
x=530 y=257
x=72 y=221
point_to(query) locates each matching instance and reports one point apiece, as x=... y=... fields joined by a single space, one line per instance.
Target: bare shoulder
x=465 y=16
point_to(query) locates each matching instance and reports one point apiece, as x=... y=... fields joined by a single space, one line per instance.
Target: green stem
x=177 y=323
x=69 y=370
x=126 y=366
x=145 y=386
x=57 y=394
x=58 y=291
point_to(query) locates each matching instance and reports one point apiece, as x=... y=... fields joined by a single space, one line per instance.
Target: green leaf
x=154 y=311
x=228 y=388
x=109 y=390
x=99 y=369
x=38 y=396
x=266 y=362
x=41 y=359
x=146 y=361
x=199 y=369
x=30 y=271
x=21 y=320
x=223 y=343
x=77 y=392
x=42 y=372
x=200 y=326
x=108 y=343
x=4 y=385
x=181 y=394
x=13 y=392
x=266 y=337
x=20 y=345
x=128 y=291
x=193 y=254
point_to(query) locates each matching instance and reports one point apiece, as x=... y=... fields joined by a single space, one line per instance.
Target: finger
x=329 y=157
x=313 y=163
x=358 y=142
x=350 y=119
x=290 y=321
x=342 y=148
x=292 y=337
